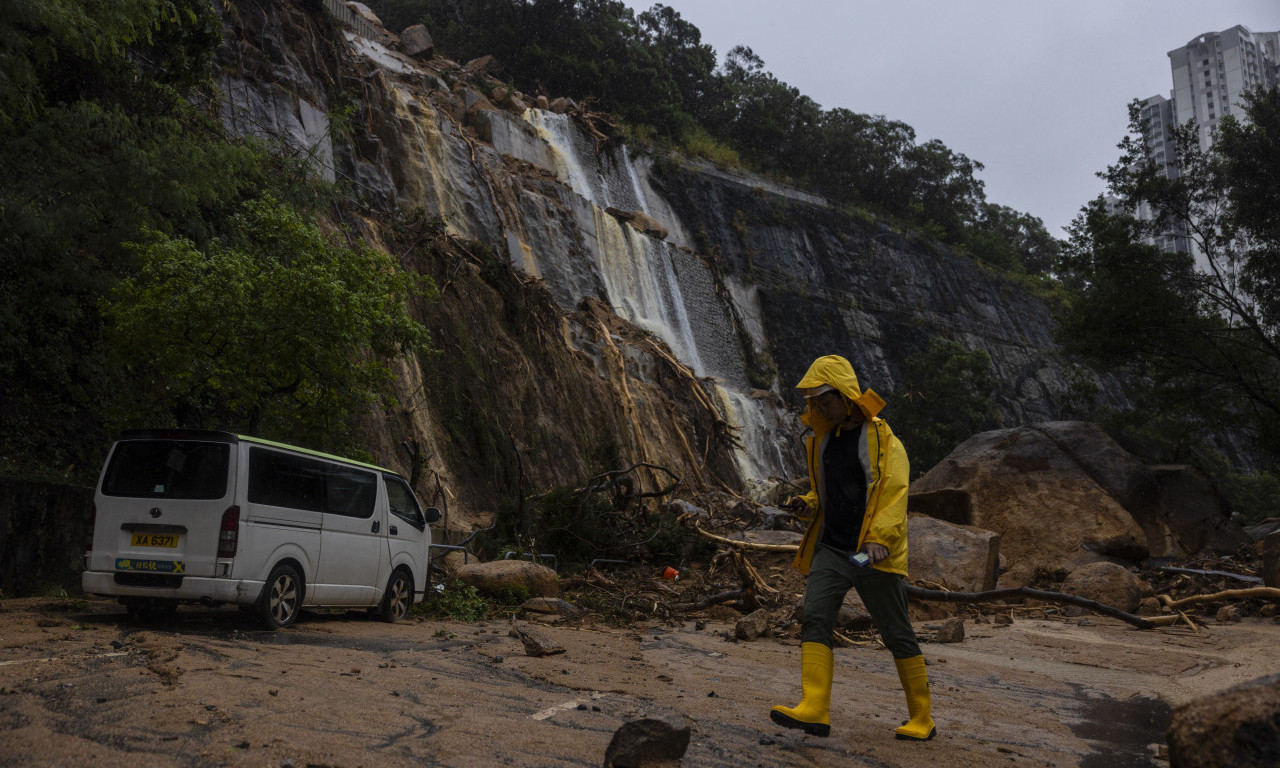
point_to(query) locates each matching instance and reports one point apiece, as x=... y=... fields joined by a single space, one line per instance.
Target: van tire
x=281 y=598
x=398 y=597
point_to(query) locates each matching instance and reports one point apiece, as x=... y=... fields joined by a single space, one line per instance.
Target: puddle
x=1121 y=732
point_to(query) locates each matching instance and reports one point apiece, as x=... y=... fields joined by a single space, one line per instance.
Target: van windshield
x=167 y=469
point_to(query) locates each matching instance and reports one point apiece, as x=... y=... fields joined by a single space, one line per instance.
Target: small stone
x=951 y=632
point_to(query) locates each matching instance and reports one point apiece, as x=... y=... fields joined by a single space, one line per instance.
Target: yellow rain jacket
x=884 y=461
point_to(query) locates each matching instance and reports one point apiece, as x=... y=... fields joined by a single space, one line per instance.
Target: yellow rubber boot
x=812 y=714
x=915 y=683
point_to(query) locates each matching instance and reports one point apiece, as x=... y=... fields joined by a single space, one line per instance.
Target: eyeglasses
x=829 y=395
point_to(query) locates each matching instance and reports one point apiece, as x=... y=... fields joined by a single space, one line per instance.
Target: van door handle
x=376 y=525
x=394 y=532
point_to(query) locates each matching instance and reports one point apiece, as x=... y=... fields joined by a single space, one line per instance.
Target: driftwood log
x=939 y=595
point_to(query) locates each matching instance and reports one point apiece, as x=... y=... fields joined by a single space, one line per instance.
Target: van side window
x=403 y=503
x=285 y=480
x=350 y=492
x=168 y=469
x=299 y=482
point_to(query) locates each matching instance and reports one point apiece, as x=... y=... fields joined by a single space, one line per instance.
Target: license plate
x=167 y=540
x=151 y=566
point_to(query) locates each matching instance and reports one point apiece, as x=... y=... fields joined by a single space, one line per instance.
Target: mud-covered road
x=81 y=685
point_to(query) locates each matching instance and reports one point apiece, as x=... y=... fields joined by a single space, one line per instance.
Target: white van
x=213 y=517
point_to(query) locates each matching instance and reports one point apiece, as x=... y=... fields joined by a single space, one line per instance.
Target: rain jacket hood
x=883 y=459
x=836 y=371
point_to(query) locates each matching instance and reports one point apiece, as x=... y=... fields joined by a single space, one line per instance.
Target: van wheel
x=281 y=598
x=398 y=597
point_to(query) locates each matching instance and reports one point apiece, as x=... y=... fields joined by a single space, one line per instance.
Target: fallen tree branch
x=919 y=593
x=747 y=544
x=717 y=599
x=1230 y=594
x=749 y=575
x=1200 y=572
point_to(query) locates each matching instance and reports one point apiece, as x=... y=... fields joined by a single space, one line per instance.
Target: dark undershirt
x=846 y=490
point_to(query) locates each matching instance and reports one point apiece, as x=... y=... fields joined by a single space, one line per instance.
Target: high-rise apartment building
x=1211 y=75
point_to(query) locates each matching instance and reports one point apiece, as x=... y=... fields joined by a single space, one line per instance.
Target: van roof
x=216 y=436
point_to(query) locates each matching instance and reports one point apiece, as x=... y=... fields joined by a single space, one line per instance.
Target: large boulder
x=1107 y=583
x=1237 y=728
x=416 y=41
x=962 y=557
x=1176 y=506
x=1062 y=493
x=497 y=575
x=1022 y=485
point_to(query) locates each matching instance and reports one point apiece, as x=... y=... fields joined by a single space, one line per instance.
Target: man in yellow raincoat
x=857 y=537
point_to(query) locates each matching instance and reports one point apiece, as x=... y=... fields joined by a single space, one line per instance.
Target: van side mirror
x=433 y=515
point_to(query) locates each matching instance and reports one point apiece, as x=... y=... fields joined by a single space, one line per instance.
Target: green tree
x=279 y=330
x=99 y=141
x=1197 y=338
x=947 y=401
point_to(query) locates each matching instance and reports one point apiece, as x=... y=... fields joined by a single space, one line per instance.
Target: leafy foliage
x=1201 y=341
x=278 y=330
x=1197 y=336
x=109 y=168
x=949 y=401
x=457 y=601
x=601 y=519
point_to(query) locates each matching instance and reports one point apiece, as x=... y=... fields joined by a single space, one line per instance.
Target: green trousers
x=831 y=575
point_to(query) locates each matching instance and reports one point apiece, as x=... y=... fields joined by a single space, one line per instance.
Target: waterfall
x=642 y=286
x=650 y=282
x=762 y=436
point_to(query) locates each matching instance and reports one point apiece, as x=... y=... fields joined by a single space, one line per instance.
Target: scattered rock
x=551 y=606
x=1229 y=613
x=498 y=575
x=535 y=643
x=416 y=41
x=647 y=224
x=951 y=632
x=1237 y=728
x=484 y=64
x=542 y=102
x=752 y=626
x=364 y=12
x=1108 y=583
x=648 y=742
x=558 y=105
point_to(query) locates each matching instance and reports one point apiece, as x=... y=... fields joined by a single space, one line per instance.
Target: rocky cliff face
x=597 y=304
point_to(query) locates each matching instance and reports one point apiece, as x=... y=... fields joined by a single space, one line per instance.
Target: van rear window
x=167 y=469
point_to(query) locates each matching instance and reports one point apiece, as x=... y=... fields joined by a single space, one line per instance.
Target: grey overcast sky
x=1035 y=90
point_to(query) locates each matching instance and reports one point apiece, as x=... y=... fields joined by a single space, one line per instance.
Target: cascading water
x=649 y=281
